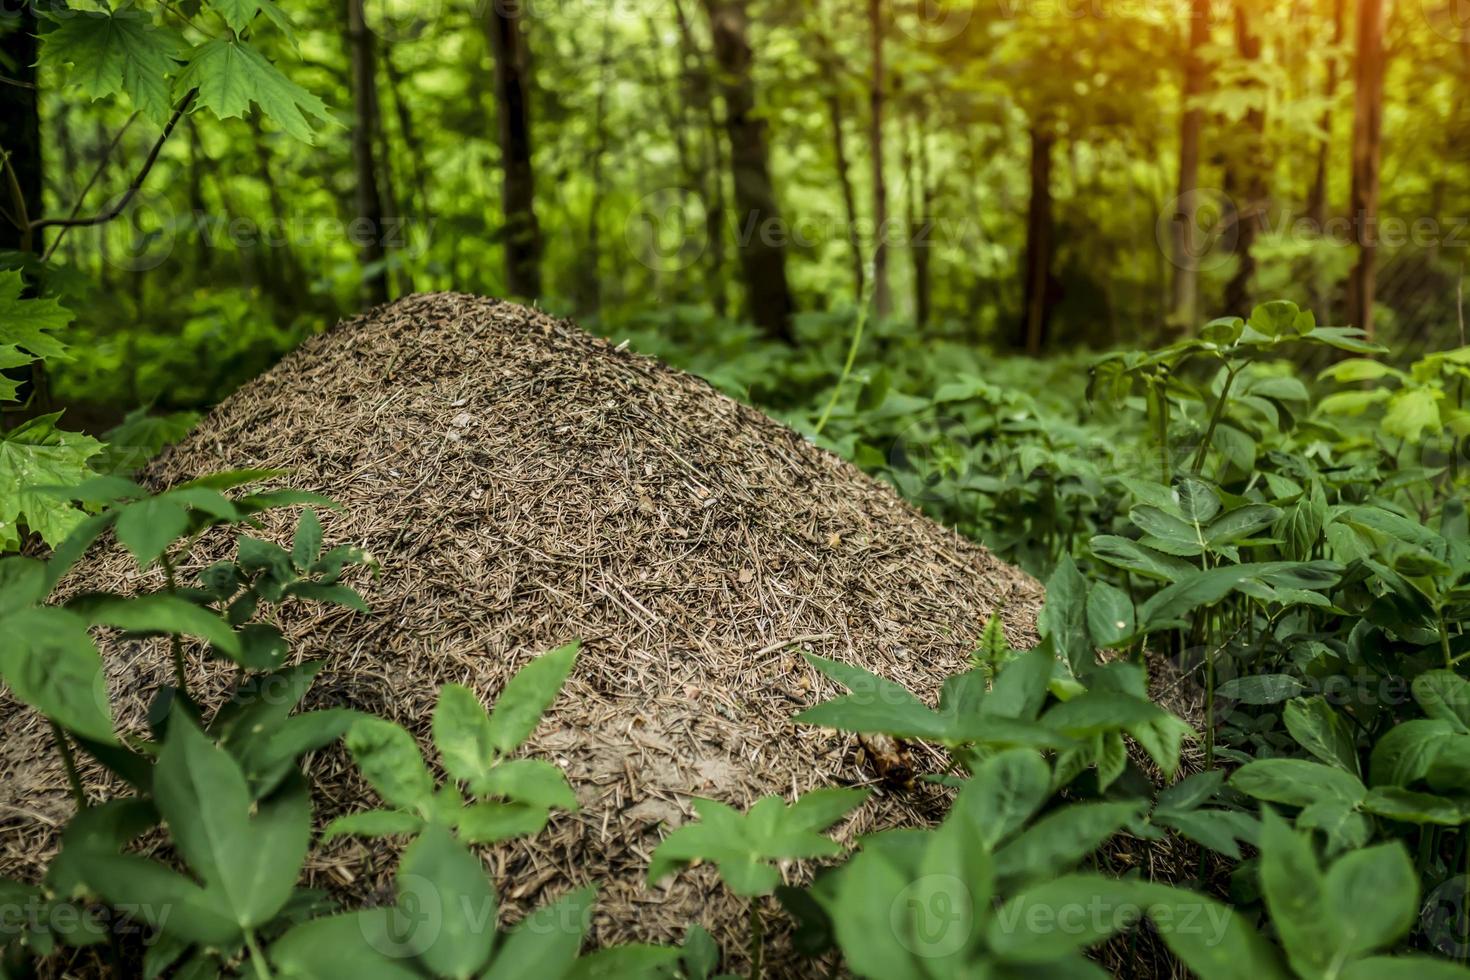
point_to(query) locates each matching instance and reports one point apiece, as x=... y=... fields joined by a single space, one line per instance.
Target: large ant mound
x=523 y=484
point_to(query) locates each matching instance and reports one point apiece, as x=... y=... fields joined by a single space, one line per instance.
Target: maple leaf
x=122 y=52
x=230 y=75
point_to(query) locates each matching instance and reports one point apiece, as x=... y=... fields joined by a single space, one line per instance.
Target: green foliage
x=508 y=797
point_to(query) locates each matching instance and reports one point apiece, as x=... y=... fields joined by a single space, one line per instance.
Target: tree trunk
x=882 y=298
x=523 y=243
x=836 y=117
x=697 y=84
x=590 y=285
x=1184 y=305
x=20 y=130
x=1037 y=270
x=1317 y=198
x=1251 y=212
x=369 y=226
x=919 y=222
x=762 y=234
x=1367 y=155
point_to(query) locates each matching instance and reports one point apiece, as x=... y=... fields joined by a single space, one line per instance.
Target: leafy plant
x=508 y=797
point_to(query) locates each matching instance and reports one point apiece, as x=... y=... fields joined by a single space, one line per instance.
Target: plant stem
x=757 y=940
x=1215 y=416
x=852 y=349
x=69 y=763
x=176 y=645
x=1444 y=640
x=257 y=959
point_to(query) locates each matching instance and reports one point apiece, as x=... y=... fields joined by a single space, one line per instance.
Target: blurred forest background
x=714 y=177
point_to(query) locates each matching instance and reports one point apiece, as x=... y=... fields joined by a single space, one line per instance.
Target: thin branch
x=21 y=219
x=133 y=188
x=96 y=175
x=17 y=83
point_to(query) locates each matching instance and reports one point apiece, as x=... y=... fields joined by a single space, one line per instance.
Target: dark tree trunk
x=762 y=233
x=1037 y=270
x=1184 y=304
x=700 y=89
x=20 y=127
x=1252 y=208
x=368 y=229
x=1367 y=157
x=1317 y=198
x=882 y=298
x=523 y=242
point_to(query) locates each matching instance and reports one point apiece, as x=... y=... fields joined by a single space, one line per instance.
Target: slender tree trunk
x=836 y=117
x=198 y=211
x=1367 y=156
x=523 y=242
x=920 y=226
x=408 y=132
x=1184 y=305
x=762 y=233
x=1251 y=212
x=369 y=226
x=20 y=130
x=591 y=282
x=1037 y=269
x=1317 y=198
x=882 y=297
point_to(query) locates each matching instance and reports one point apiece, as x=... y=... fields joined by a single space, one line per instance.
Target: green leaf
x=148 y=527
x=870 y=893
x=1035 y=927
x=1004 y=793
x=1211 y=938
x=1260 y=688
x=237 y=13
x=1058 y=841
x=1064 y=616
x=489 y=823
x=390 y=760
x=527 y=696
x=546 y=943
x=1167 y=532
x=1410 y=412
x=1297 y=894
x=373 y=823
x=1297 y=782
x=876 y=705
x=1445 y=695
x=247 y=854
x=1406 y=753
x=1407 y=806
x=446 y=905
x=462 y=734
x=48 y=659
x=22 y=584
x=306 y=546
x=122 y=52
x=1404 y=968
x=1130 y=555
x=37 y=454
x=361 y=945
x=28 y=322
x=1380 y=878
x=230 y=75
x=1322 y=732
x=163 y=613
x=1240 y=523
x=531 y=781
x=631 y=961
x=1110 y=617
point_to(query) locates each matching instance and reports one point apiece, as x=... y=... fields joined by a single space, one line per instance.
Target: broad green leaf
x=462 y=734
x=869 y=899
x=230 y=75
x=1035 y=926
x=546 y=943
x=489 y=823
x=1134 y=557
x=306 y=546
x=390 y=760
x=1411 y=411
x=1110 y=617
x=1407 y=806
x=1296 y=893
x=1169 y=533
x=49 y=661
x=163 y=613
x=446 y=905
x=22 y=584
x=1240 y=523
x=1296 y=782
x=1322 y=731
x=247 y=854
x=373 y=823
x=1211 y=938
x=121 y=52
x=27 y=322
x=631 y=961
x=1064 y=616
x=1380 y=878
x=148 y=527
x=527 y=696
x=37 y=454
x=1260 y=688
x=1005 y=791
x=534 y=782
x=1059 y=841
x=1445 y=695
x=1404 y=968
x=361 y=945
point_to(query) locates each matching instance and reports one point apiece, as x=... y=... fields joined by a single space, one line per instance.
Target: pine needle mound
x=523 y=484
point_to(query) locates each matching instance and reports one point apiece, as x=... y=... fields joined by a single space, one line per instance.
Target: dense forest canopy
x=1039 y=174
